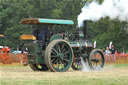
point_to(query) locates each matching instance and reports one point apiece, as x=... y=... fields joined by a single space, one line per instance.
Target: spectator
x=107 y=54
x=103 y=50
x=113 y=51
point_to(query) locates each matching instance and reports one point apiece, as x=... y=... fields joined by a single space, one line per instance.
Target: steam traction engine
x=57 y=51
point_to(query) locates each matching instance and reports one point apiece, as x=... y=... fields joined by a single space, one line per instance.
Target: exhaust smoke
x=85 y=66
x=115 y=9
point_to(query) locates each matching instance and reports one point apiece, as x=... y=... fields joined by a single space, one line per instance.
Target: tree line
x=102 y=31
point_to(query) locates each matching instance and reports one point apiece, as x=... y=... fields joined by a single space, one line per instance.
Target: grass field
x=19 y=75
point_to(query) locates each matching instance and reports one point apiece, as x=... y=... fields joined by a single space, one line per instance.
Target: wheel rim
x=61 y=56
x=97 y=60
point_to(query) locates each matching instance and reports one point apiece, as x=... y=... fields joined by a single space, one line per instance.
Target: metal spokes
x=96 y=59
x=59 y=55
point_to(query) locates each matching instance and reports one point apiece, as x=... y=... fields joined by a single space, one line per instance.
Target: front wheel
x=96 y=59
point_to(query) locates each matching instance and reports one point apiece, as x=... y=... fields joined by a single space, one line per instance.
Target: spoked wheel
x=38 y=67
x=77 y=65
x=96 y=59
x=58 y=56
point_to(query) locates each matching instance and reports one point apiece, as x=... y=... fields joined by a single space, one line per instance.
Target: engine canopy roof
x=46 y=21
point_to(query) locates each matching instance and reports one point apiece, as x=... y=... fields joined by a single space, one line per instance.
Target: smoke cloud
x=115 y=9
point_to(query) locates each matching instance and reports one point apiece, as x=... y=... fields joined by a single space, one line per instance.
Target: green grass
x=116 y=74
x=120 y=65
x=80 y=81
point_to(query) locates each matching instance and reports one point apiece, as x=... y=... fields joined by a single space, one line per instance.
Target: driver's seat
x=41 y=35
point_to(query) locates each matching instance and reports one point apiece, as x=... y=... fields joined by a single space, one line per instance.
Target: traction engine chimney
x=85 y=29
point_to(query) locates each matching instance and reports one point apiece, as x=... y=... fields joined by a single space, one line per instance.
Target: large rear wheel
x=58 y=56
x=96 y=59
x=38 y=67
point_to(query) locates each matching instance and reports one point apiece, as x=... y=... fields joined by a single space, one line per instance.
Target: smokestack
x=85 y=29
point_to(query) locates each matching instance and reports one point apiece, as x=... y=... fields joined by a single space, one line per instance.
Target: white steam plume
x=112 y=8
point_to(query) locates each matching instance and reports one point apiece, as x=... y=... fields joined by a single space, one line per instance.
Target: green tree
x=13 y=11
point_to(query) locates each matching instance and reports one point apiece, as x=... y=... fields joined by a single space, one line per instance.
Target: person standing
x=113 y=51
x=107 y=54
